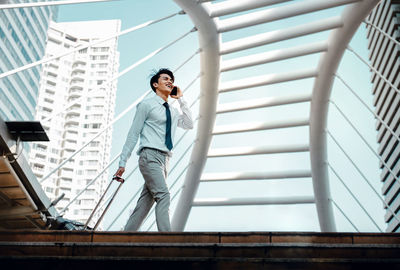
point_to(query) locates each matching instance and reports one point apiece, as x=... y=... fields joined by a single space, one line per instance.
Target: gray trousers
x=153 y=165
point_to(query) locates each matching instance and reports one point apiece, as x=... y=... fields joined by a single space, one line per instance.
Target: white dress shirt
x=150 y=124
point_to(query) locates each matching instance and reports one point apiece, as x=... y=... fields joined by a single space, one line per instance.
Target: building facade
x=23 y=35
x=76 y=101
x=384 y=57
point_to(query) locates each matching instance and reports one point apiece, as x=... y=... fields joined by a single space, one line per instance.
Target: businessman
x=155 y=125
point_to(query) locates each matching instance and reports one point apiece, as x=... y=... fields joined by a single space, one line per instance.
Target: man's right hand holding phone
x=176 y=92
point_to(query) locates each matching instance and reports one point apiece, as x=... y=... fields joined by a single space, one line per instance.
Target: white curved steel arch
x=209 y=39
x=209 y=81
x=352 y=17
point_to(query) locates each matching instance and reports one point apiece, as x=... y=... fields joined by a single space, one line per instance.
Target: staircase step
x=197 y=237
x=68 y=263
x=208 y=250
x=198 y=250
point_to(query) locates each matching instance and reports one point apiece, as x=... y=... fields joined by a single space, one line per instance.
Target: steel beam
x=254 y=201
x=273 y=56
x=257 y=150
x=352 y=17
x=237 y=176
x=278 y=13
x=262 y=103
x=209 y=40
x=234 y=6
x=49 y=3
x=267 y=79
x=256 y=126
x=280 y=35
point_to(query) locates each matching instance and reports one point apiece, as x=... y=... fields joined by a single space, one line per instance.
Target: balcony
x=71 y=136
x=67 y=174
x=79 y=67
x=70 y=146
x=74 y=109
x=75 y=93
x=76 y=87
x=72 y=121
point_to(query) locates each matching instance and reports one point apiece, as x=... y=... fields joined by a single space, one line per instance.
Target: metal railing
x=133 y=105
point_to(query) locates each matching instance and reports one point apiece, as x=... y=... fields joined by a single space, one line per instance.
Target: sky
x=134 y=46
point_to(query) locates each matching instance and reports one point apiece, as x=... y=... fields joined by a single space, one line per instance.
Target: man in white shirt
x=155 y=124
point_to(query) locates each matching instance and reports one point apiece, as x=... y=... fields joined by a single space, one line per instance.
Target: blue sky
x=136 y=45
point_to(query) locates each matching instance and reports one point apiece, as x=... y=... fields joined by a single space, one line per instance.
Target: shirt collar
x=159 y=99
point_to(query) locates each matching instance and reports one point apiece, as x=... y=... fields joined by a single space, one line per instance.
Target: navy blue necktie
x=168 y=139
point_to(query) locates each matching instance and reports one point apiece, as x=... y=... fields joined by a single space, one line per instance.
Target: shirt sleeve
x=133 y=134
x=185 y=120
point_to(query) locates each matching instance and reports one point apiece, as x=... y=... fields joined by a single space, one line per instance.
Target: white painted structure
x=210 y=28
x=220 y=55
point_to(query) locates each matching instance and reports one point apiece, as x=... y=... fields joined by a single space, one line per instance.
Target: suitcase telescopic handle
x=118 y=179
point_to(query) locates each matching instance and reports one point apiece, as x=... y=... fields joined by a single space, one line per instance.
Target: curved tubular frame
x=352 y=17
x=209 y=40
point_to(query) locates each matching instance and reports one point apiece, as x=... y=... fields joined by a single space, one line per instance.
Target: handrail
x=368 y=108
x=366 y=142
x=49 y=3
x=113 y=160
x=374 y=70
x=133 y=105
x=42 y=61
x=190 y=58
x=381 y=31
x=115 y=119
x=120 y=74
x=363 y=176
x=354 y=196
x=344 y=214
x=90 y=183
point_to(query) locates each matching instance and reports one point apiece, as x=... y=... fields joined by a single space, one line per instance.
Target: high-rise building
x=23 y=34
x=384 y=57
x=77 y=101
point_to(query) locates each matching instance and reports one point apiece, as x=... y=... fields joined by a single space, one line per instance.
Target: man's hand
x=178 y=93
x=120 y=171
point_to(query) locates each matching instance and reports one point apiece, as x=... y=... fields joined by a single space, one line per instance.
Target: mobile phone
x=174 y=91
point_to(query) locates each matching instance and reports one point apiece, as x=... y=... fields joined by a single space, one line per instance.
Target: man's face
x=165 y=83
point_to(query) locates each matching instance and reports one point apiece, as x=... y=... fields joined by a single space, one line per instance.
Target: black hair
x=156 y=75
